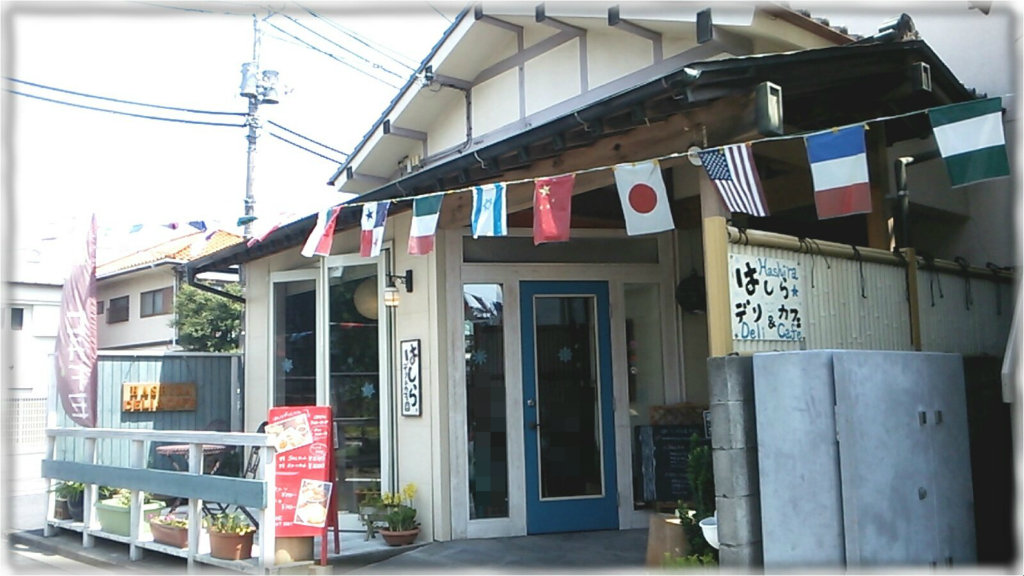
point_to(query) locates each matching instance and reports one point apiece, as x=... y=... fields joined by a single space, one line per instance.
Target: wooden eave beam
x=409 y=133
x=361 y=177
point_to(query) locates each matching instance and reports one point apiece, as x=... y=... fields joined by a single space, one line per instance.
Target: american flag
x=732 y=171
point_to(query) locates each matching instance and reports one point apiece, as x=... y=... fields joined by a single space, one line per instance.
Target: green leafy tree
x=208 y=322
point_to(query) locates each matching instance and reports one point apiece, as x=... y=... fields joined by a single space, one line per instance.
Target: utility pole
x=260 y=87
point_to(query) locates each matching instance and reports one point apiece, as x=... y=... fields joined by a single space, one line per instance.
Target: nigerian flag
x=970 y=139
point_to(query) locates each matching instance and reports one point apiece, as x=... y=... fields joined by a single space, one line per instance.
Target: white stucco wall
x=27 y=369
x=137 y=330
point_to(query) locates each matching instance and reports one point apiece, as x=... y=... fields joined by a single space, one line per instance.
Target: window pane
x=295 y=343
x=487 y=431
x=646 y=373
x=568 y=404
x=17 y=318
x=118 y=311
x=355 y=381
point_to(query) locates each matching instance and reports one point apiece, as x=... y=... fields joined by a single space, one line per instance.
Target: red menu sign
x=302 y=436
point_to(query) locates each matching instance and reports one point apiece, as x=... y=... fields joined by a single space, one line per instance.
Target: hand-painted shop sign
x=158 y=396
x=766 y=298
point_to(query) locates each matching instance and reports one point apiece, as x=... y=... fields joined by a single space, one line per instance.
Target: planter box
x=114 y=518
x=228 y=546
x=169 y=535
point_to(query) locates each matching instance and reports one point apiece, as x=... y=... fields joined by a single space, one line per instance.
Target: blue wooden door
x=567 y=396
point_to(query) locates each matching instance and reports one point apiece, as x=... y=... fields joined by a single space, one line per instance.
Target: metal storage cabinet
x=899 y=429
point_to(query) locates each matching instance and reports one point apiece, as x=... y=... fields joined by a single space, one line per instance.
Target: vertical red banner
x=304 y=441
x=76 y=338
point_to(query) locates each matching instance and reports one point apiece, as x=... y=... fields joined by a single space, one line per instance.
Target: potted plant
x=230 y=536
x=401 y=517
x=113 y=511
x=170 y=529
x=373 y=513
x=69 y=496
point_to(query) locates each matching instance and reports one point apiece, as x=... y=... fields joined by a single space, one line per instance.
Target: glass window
x=354 y=385
x=118 y=311
x=487 y=426
x=156 y=302
x=17 y=318
x=646 y=371
x=294 y=343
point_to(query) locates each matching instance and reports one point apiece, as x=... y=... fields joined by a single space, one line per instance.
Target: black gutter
x=189 y=274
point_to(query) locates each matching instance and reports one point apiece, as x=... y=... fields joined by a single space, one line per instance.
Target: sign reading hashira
x=766 y=298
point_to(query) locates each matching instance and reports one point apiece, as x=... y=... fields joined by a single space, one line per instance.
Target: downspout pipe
x=190 y=278
x=903 y=195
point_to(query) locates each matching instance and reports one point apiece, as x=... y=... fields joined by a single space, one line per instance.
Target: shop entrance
x=567 y=414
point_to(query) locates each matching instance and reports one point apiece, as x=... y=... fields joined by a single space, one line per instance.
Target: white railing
x=257 y=495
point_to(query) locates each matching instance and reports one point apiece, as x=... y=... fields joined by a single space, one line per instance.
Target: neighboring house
x=135 y=293
x=535 y=366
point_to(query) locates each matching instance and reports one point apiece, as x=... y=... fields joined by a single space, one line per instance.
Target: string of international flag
x=969 y=137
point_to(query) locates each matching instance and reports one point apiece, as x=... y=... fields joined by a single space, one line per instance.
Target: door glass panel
x=646 y=371
x=487 y=426
x=354 y=385
x=295 y=343
x=568 y=403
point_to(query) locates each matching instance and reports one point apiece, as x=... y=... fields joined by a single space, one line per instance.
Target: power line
x=359 y=56
x=300 y=146
x=332 y=56
x=120 y=101
x=431 y=4
x=271 y=122
x=164 y=119
x=382 y=50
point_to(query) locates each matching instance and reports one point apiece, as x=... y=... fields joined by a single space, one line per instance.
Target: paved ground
x=615 y=552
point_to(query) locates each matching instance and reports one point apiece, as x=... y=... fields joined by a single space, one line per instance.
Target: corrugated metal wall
x=837 y=314
x=971 y=317
x=212 y=374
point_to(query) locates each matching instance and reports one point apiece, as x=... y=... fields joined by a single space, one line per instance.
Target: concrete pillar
x=734 y=456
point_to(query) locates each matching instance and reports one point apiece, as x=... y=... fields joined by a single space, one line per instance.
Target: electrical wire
x=300 y=146
x=357 y=55
x=382 y=50
x=146 y=116
x=307 y=138
x=332 y=56
x=120 y=101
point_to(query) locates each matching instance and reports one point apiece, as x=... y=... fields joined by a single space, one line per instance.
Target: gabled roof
x=171 y=252
x=823 y=88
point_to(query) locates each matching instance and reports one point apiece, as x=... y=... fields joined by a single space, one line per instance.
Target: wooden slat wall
x=210 y=372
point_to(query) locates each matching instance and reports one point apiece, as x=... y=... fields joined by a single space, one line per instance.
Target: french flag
x=839 y=169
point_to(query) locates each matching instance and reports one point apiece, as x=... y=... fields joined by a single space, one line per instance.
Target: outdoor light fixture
x=391 y=291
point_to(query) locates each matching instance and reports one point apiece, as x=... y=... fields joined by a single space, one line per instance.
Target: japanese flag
x=644 y=200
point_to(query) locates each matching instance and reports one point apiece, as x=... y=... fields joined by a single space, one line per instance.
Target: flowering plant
x=401 y=515
x=170 y=520
x=229 y=524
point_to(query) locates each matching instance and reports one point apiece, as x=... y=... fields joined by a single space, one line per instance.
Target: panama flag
x=839 y=169
x=425 y=211
x=552 y=208
x=375 y=214
x=321 y=237
x=489 y=212
x=644 y=200
x=970 y=139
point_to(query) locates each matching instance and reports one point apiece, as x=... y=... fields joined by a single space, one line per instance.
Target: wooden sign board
x=158 y=396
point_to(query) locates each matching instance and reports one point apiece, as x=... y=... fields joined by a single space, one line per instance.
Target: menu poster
x=303 y=439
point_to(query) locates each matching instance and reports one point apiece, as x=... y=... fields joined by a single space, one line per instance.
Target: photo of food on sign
x=290 y=433
x=311 y=508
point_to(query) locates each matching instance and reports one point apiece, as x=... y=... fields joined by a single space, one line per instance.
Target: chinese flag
x=552 y=208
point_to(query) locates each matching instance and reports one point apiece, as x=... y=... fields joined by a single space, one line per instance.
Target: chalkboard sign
x=661 y=454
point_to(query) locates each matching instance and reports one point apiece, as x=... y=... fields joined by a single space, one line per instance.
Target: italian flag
x=970 y=139
x=425 y=211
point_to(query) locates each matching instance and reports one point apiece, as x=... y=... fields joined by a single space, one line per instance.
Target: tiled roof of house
x=174 y=251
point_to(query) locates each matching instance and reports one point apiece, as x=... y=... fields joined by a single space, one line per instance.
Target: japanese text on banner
x=766 y=298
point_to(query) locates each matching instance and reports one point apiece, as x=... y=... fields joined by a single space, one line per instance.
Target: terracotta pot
x=400 y=538
x=170 y=535
x=227 y=546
